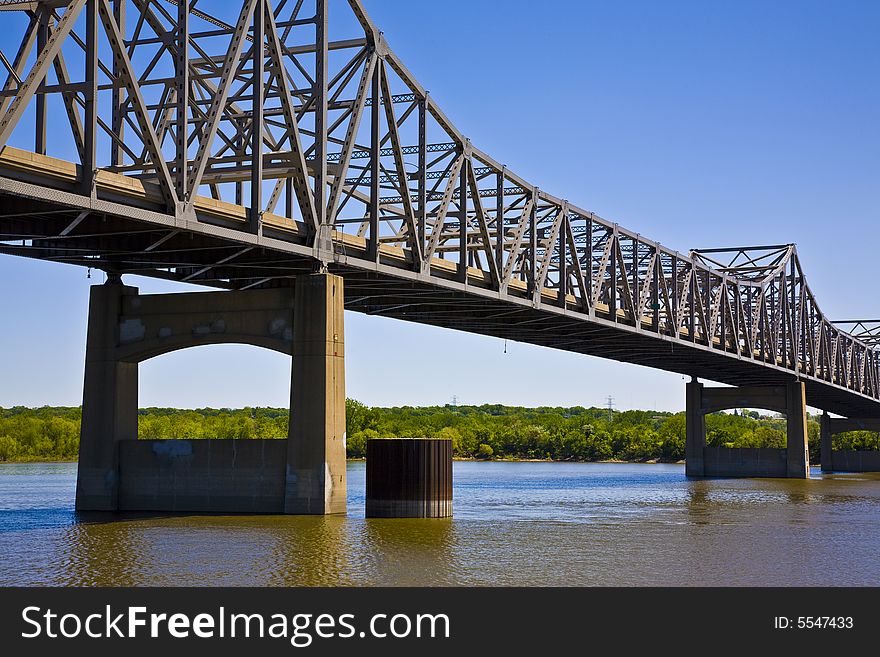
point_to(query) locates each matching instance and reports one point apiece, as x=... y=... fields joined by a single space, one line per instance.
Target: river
x=527 y=524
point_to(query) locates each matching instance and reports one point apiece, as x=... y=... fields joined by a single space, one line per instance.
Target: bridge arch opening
x=220 y=392
x=304 y=474
x=705 y=457
x=751 y=428
x=849 y=444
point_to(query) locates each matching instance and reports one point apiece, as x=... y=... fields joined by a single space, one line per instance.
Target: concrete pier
x=110 y=396
x=230 y=476
x=701 y=461
x=848 y=460
x=409 y=478
x=316 y=443
x=303 y=475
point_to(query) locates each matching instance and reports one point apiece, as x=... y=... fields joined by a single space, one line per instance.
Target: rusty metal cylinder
x=409 y=478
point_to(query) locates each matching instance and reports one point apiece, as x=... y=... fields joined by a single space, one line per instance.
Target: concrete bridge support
x=110 y=401
x=316 y=443
x=704 y=461
x=304 y=476
x=848 y=460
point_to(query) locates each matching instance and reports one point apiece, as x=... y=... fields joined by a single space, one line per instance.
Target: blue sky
x=696 y=123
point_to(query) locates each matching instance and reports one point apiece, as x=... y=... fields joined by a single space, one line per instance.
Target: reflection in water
x=95 y=550
x=312 y=551
x=515 y=524
x=408 y=551
x=698 y=507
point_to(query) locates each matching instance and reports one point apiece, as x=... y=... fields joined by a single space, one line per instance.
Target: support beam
x=316 y=440
x=320 y=103
x=695 y=430
x=118 y=112
x=797 y=444
x=41 y=118
x=375 y=169
x=255 y=217
x=110 y=395
x=90 y=135
x=181 y=131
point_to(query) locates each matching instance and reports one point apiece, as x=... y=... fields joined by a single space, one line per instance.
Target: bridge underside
x=65 y=227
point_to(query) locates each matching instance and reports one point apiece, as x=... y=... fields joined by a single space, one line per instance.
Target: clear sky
x=696 y=123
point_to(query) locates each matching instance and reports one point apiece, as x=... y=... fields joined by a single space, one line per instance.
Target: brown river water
x=515 y=524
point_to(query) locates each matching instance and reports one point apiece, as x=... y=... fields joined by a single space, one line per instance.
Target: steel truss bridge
x=240 y=144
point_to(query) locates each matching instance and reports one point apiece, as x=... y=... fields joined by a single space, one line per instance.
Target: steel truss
x=260 y=134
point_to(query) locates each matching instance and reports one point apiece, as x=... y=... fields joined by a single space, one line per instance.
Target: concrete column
x=110 y=395
x=316 y=440
x=798 y=457
x=695 y=430
x=825 y=443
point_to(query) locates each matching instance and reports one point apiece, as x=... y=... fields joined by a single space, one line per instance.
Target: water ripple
x=515 y=524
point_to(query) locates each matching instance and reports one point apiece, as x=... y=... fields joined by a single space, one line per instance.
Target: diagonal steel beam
x=516 y=242
x=645 y=290
x=227 y=75
x=599 y=280
x=16 y=69
x=354 y=124
x=302 y=190
x=623 y=278
x=73 y=224
x=443 y=210
x=578 y=268
x=206 y=268
x=549 y=245
x=38 y=72
x=483 y=225
x=73 y=117
x=403 y=180
x=130 y=79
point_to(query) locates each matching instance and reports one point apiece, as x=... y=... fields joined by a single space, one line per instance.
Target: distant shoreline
x=466 y=460
x=490 y=432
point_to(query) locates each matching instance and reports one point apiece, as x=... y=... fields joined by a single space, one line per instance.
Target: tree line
x=490 y=431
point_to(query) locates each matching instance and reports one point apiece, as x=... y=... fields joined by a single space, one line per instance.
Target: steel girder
x=294 y=122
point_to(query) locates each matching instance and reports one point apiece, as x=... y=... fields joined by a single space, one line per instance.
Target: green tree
x=485 y=451
x=9 y=448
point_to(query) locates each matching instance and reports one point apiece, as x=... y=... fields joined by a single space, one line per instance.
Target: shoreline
x=462 y=459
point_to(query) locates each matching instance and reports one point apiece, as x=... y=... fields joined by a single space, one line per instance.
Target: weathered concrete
x=847 y=460
x=126 y=328
x=110 y=398
x=316 y=446
x=797 y=436
x=409 y=478
x=695 y=431
x=235 y=476
x=745 y=462
x=703 y=461
x=156 y=324
x=851 y=460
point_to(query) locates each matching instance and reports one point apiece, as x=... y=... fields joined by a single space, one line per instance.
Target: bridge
x=280 y=151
